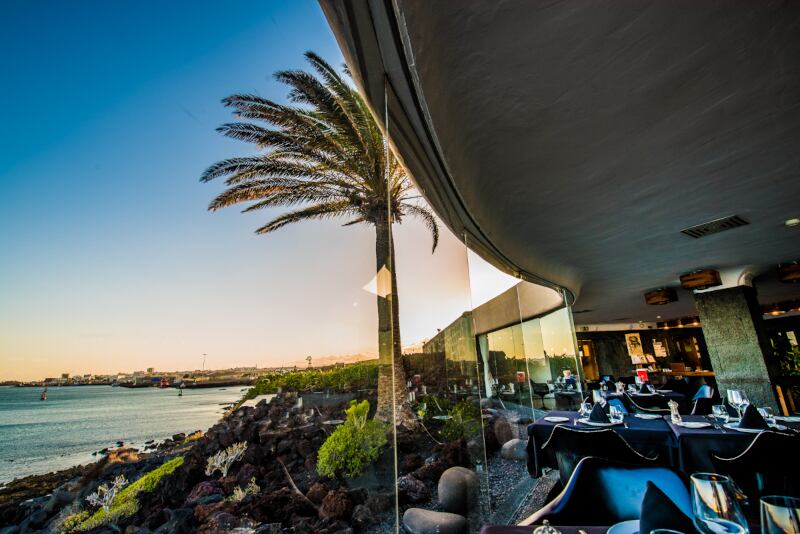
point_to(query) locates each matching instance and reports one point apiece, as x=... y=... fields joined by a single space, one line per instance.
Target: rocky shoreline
x=282 y=440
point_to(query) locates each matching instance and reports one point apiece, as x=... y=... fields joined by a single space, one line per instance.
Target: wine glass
x=615 y=414
x=716 y=509
x=735 y=398
x=585 y=409
x=780 y=515
x=720 y=413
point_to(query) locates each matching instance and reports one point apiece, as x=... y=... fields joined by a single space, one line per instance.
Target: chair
x=541 y=390
x=601 y=492
x=704 y=392
x=570 y=446
x=768 y=466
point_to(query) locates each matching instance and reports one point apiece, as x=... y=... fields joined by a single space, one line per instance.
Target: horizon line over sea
x=39 y=437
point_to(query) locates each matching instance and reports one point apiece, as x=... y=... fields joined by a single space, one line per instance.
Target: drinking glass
x=780 y=514
x=585 y=409
x=716 y=509
x=767 y=414
x=720 y=413
x=615 y=414
x=735 y=398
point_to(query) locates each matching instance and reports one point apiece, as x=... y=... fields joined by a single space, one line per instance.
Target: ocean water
x=38 y=436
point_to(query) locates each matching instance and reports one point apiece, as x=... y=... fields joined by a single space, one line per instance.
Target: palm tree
x=325 y=157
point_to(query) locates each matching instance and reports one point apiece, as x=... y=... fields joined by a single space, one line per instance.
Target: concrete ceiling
x=571 y=141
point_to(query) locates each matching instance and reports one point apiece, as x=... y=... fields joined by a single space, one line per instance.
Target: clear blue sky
x=108 y=258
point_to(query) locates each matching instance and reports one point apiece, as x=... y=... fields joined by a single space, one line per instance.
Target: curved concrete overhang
x=570 y=142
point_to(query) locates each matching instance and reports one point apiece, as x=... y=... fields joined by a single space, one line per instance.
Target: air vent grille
x=715 y=226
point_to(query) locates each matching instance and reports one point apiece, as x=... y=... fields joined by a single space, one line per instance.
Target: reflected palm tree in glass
x=780 y=515
x=715 y=505
x=325 y=157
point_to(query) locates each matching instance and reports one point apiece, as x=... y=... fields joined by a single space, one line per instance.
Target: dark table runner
x=647 y=437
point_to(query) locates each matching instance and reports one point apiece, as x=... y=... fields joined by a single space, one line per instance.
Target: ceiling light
x=792 y=222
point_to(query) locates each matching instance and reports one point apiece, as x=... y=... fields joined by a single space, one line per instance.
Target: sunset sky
x=109 y=260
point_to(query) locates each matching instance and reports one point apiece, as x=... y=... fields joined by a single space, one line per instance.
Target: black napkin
x=644 y=387
x=752 y=419
x=730 y=409
x=598 y=414
x=658 y=511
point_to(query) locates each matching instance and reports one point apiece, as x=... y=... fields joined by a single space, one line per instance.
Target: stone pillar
x=732 y=327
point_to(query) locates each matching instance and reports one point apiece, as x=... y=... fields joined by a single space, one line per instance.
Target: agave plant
x=224 y=459
x=325 y=157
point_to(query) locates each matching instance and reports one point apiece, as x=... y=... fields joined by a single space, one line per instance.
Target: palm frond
x=427 y=218
x=317 y=211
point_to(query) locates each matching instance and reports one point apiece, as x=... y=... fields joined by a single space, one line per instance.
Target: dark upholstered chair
x=541 y=390
x=768 y=466
x=605 y=493
x=570 y=446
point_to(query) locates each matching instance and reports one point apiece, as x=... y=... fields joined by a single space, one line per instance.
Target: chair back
x=704 y=392
x=541 y=389
x=602 y=492
x=768 y=466
x=570 y=446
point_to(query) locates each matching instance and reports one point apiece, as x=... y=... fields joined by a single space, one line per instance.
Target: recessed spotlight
x=792 y=222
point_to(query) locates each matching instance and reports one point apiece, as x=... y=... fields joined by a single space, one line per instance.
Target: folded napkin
x=598 y=414
x=658 y=511
x=730 y=409
x=752 y=419
x=644 y=387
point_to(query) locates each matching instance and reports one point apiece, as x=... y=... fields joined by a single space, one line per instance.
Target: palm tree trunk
x=392 y=390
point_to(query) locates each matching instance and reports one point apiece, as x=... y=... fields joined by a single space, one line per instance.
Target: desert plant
x=354 y=376
x=223 y=460
x=354 y=445
x=464 y=422
x=326 y=157
x=238 y=493
x=105 y=494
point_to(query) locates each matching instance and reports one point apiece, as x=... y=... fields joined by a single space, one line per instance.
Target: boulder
x=459 y=489
x=504 y=431
x=317 y=492
x=363 y=517
x=514 y=449
x=179 y=521
x=411 y=489
x=203 y=489
x=420 y=521
x=180 y=436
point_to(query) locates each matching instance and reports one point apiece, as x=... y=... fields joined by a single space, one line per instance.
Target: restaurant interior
x=636 y=160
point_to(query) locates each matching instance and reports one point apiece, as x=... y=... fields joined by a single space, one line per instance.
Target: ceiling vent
x=715 y=226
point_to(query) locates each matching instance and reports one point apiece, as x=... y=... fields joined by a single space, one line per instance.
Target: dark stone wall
x=733 y=330
x=611 y=351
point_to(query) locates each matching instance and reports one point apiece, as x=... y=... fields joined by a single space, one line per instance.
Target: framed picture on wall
x=635 y=349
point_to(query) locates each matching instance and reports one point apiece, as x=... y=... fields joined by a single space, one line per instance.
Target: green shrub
x=353 y=446
x=355 y=376
x=125 y=504
x=464 y=422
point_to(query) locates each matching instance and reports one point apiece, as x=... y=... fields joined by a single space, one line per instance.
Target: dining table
x=686 y=449
x=647 y=436
x=510 y=529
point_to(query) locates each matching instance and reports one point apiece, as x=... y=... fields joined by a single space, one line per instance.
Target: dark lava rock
x=431 y=472
x=380 y=502
x=203 y=511
x=411 y=489
x=317 y=492
x=419 y=521
x=179 y=521
x=411 y=462
x=218 y=523
x=179 y=436
x=203 y=489
x=336 y=505
x=363 y=517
